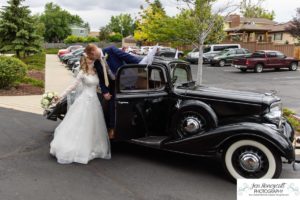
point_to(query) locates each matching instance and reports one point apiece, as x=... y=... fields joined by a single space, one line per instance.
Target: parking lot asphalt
x=286 y=83
x=28 y=172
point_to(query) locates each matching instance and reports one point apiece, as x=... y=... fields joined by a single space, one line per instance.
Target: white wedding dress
x=82 y=135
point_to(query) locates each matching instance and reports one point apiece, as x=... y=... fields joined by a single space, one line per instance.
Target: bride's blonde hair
x=83 y=64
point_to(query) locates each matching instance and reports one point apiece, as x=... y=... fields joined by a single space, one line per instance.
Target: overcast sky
x=98 y=12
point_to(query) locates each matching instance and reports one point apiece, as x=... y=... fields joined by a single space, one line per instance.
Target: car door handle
x=123 y=102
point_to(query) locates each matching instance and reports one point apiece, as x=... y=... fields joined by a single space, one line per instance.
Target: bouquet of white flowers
x=47 y=99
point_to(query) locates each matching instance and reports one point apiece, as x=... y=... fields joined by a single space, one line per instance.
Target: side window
x=271 y=54
x=232 y=47
x=232 y=52
x=141 y=79
x=239 y=51
x=279 y=55
x=258 y=55
x=219 y=48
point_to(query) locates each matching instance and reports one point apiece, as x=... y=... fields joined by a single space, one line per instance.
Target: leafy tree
x=154 y=24
x=104 y=33
x=122 y=23
x=249 y=9
x=294 y=28
x=117 y=37
x=198 y=24
x=58 y=21
x=18 y=29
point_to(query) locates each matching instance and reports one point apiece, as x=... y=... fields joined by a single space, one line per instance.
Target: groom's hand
x=107 y=96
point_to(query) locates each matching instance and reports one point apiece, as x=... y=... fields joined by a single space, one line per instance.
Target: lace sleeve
x=73 y=86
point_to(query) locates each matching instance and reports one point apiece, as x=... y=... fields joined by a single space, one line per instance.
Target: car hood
x=62 y=51
x=228 y=95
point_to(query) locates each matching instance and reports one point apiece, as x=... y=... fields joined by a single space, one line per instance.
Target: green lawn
x=51 y=51
x=36 y=61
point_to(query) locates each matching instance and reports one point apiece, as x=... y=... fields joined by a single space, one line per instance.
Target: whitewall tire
x=251 y=159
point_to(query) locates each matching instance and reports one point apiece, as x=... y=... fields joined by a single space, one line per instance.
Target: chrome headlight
x=275 y=114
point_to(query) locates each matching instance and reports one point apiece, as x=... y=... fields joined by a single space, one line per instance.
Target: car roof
x=267 y=51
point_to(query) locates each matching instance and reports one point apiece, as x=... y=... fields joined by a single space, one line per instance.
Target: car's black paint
x=151 y=118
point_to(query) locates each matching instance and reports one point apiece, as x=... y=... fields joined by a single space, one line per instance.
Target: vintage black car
x=159 y=106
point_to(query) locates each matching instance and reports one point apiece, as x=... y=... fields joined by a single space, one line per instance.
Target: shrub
x=11 y=70
x=79 y=39
x=115 y=38
x=71 y=39
x=289 y=115
x=90 y=39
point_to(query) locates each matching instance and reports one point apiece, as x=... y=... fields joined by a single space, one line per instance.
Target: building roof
x=251 y=20
x=248 y=27
x=129 y=39
x=94 y=33
x=280 y=27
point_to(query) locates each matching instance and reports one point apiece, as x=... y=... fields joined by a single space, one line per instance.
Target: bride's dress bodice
x=87 y=82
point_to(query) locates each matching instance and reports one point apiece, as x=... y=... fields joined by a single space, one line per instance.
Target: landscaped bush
x=11 y=70
x=289 y=115
x=89 y=39
x=78 y=39
x=115 y=38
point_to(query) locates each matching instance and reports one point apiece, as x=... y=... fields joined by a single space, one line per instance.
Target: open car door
x=142 y=103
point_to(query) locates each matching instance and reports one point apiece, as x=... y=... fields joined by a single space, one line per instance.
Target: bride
x=82 y=135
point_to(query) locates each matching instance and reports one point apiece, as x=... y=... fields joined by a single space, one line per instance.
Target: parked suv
x=209 y=52
x=226 y=56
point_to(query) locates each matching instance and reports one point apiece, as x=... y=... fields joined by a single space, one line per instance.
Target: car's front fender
x=216 y=140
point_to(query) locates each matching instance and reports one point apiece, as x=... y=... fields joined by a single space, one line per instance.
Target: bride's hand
x=56 y=99
x=107 y=96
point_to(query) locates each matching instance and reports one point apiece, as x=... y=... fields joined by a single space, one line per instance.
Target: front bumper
x=195 y=60
x=240 y=66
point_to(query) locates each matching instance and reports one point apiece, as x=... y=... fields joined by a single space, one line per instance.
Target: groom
x=106 y=69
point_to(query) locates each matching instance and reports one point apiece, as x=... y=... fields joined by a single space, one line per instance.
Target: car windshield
x=78 y=52
x=223 y=52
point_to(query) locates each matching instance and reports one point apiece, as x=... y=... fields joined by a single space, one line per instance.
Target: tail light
x=247 y=62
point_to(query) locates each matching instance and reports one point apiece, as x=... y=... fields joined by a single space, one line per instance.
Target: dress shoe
x=111 y=133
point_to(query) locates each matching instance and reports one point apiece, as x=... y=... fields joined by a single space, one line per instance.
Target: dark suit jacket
x=116 y=58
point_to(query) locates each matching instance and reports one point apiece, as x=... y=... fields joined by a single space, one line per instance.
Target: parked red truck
x=260 y=60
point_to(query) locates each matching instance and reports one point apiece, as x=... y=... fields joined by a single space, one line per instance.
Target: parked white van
x=209 y=52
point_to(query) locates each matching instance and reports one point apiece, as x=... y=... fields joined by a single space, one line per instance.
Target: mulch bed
x=26 y=89
x=39 y=75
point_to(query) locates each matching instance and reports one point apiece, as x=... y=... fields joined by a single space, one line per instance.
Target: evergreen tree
x=18 y=29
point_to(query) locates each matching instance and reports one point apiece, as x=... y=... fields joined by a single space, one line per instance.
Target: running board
x=151 y=141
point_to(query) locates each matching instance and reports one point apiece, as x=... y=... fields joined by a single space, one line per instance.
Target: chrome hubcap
x=192 y=125
x=250 y=161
